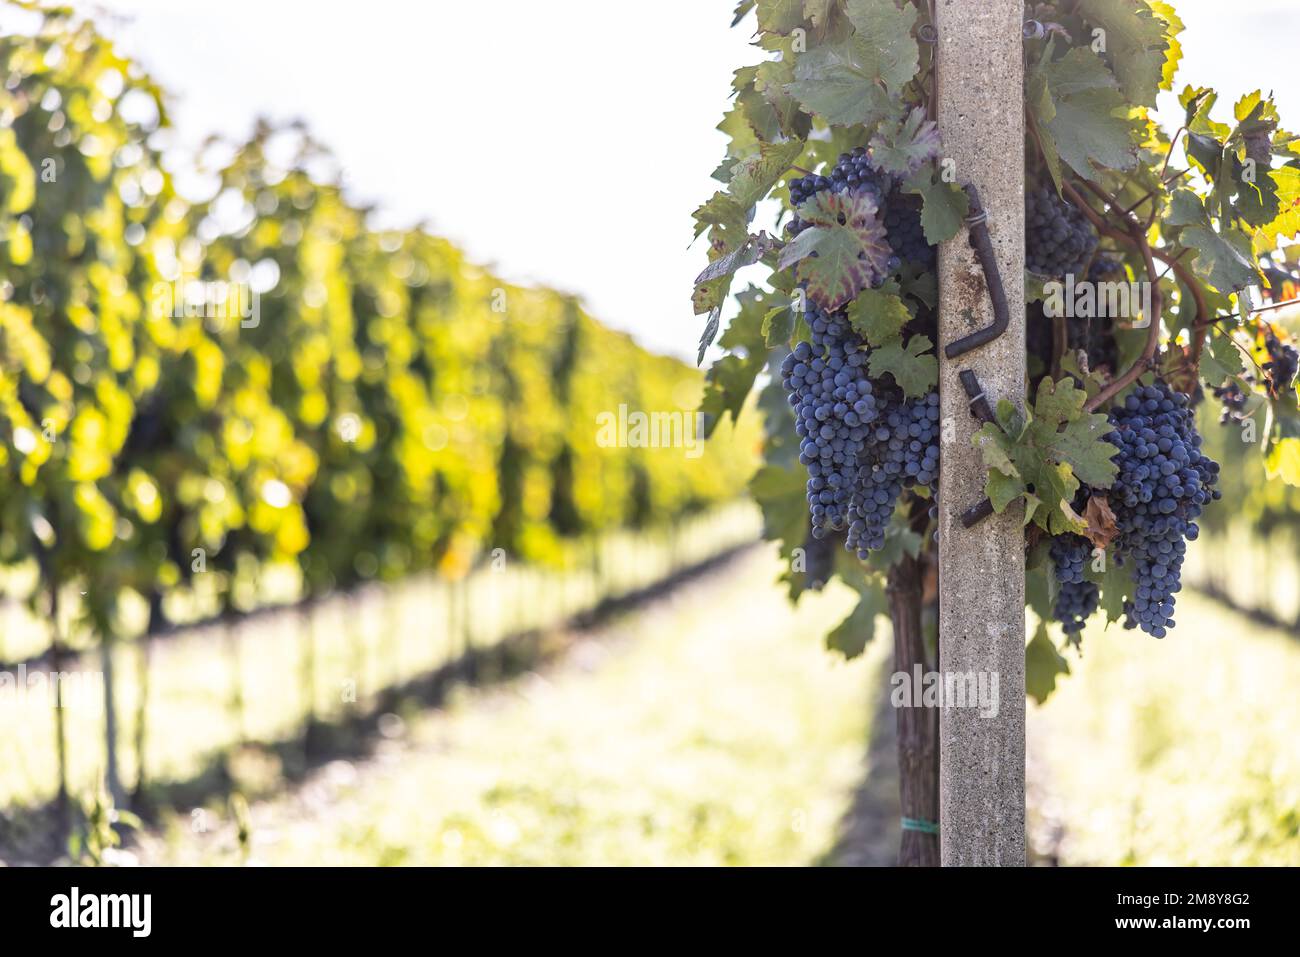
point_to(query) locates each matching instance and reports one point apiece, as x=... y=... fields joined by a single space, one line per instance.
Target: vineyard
x=971 y=537
x=213 y=410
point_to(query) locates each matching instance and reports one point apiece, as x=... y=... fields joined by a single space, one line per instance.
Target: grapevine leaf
x=900 y=146
x=753 y=177
x=1087 y=124
x=751 y=251
x=742 y=9
x=879 y=315
x=856 y=81
x=843 y=252
x=779 y=16
x=1042 y=664
x=900 y=540
x=771 y=79
x=817 y=11
x=1185 y=209
x=914 y=367
x=1115 y=582
x=1284 y=461
x=1173 y=49
x=778 y=326
x=1058 y=445
x=1002 y=490
x=710 y=332
x=1224 y=260
x=782 y=497
x=944 y=204
x=1287 y=223
x=836 y=82
x=723 y=211
x=850 y=637
x=1135 y=45
x=1222 y=360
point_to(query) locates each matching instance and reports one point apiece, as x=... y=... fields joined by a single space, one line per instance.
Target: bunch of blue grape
x=862 y=441
x=1234 y=399
x=834 y=407
x=854 y=172
x=1163 y=485
x=1058 y=239
x=902 y=451
x=902 y=215
x=1077 y=598
x=1282 y=365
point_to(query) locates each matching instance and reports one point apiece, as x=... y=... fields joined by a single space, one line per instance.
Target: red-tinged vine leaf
x=1042 y=664
x=901 y=145
x=879 y=314
x=1047 y=453
x=1086 y=125
x=857 y=80
x=944 y=205
x=914 y=366
x=1136 y=44
x=843 y=252
x=1102 y=528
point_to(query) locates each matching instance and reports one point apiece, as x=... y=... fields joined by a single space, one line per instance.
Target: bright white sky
x=563 y=143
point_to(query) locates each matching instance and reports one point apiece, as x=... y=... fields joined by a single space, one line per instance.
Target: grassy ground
x=1181 y=751
x=211 y=689
x=710 y=729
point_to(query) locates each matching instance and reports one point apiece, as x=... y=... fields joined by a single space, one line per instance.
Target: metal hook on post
x=982 y=243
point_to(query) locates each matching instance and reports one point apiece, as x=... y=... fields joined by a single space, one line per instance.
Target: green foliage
x=1043 y=455
x=367 y=404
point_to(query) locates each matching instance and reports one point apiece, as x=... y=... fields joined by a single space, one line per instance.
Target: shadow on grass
x=868 y=833
x=38 y=835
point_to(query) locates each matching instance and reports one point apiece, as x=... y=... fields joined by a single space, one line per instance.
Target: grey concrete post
x=981 y=570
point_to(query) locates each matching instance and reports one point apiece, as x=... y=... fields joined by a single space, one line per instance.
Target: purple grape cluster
x=1234 y=399
x=863 y=442
x=1077 y=598
x=1163 y=485
x=1058 y=239
x=834 y=406
x=1282 y=365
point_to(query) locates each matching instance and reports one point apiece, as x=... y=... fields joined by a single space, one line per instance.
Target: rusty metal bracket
x=982 y=243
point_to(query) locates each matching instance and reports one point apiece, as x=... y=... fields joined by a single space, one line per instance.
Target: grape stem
x=1136 y=235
